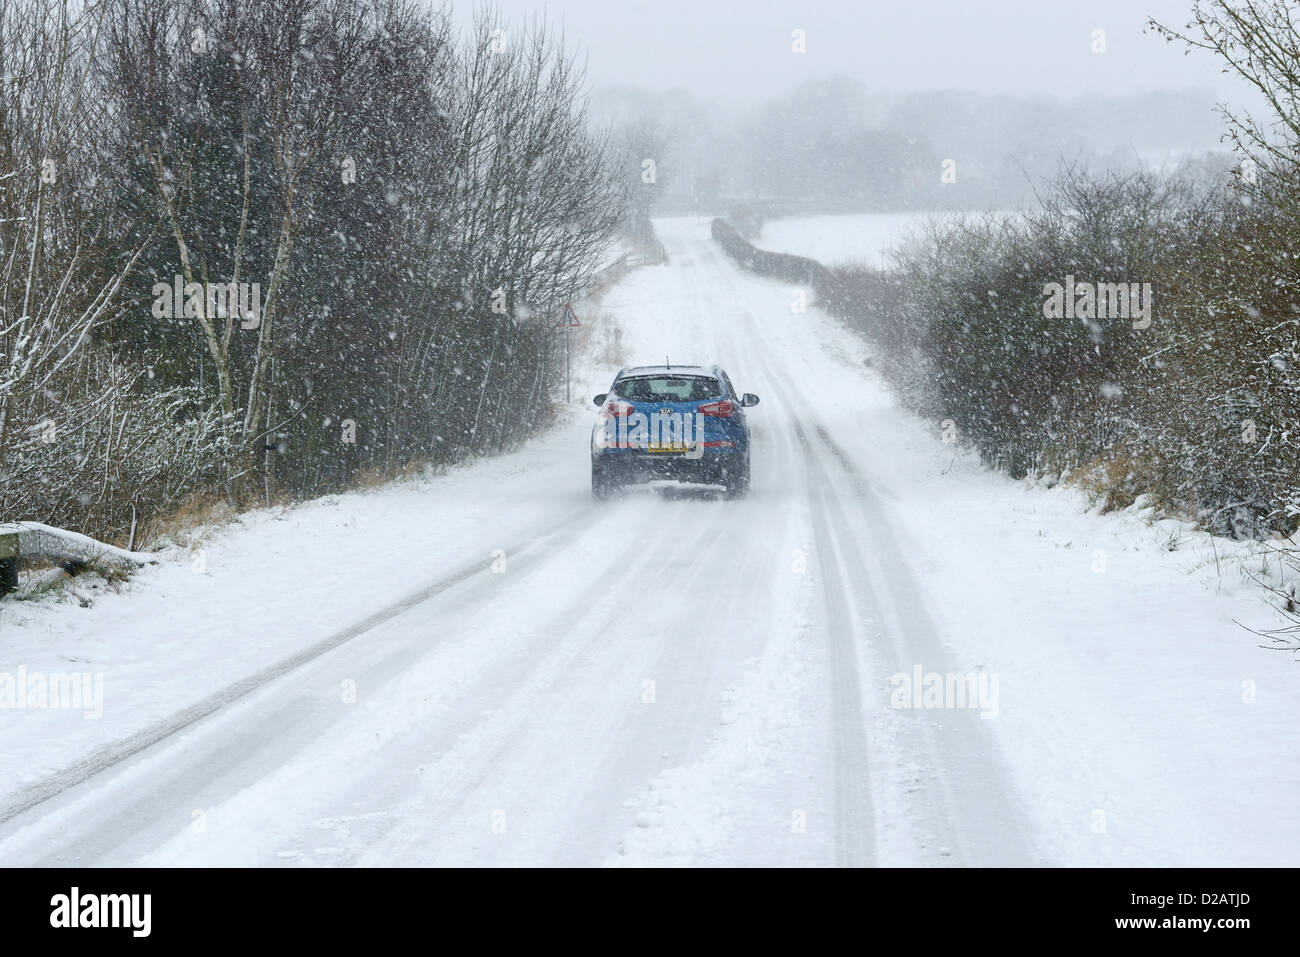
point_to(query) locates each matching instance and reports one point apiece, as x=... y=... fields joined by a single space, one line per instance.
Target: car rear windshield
x=668 y=388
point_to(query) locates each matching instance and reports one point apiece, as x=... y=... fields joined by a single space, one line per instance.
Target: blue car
x=683 y=423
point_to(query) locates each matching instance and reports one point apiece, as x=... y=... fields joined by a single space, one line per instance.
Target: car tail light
x=722 y=408
x=617 y=409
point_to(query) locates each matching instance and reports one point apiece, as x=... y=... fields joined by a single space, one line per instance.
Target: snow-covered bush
x=108 y=461
x=1192 y=407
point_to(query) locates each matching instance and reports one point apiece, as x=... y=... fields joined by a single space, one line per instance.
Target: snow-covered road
x=501 y=672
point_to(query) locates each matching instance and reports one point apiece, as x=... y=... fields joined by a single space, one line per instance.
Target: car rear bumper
x=630 y=466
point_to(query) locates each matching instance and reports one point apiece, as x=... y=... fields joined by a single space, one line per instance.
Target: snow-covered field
x=483 y=667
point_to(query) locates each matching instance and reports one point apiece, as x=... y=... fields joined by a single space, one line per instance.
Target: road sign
x=569 y=320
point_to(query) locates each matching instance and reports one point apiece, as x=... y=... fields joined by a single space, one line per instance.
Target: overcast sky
x=740 y=50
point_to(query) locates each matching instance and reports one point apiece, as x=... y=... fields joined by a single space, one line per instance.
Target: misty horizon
x=739 y=54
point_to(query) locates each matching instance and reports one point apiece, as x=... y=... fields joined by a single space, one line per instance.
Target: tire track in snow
x=854 y=814
x=514 y=753
x=105 y=758
x=984 y=823
x=220 y=772
x=851 y=811
x=981 y=822
x=854 y=808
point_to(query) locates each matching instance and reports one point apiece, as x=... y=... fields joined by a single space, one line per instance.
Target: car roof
x=679 y=370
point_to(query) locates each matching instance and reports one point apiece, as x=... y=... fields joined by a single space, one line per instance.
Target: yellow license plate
x=676 y=447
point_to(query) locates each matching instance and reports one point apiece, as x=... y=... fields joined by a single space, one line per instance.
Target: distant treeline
x=834 y=145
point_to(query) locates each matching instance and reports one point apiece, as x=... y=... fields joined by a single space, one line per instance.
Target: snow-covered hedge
x=1198 y=407
x=404 y=207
